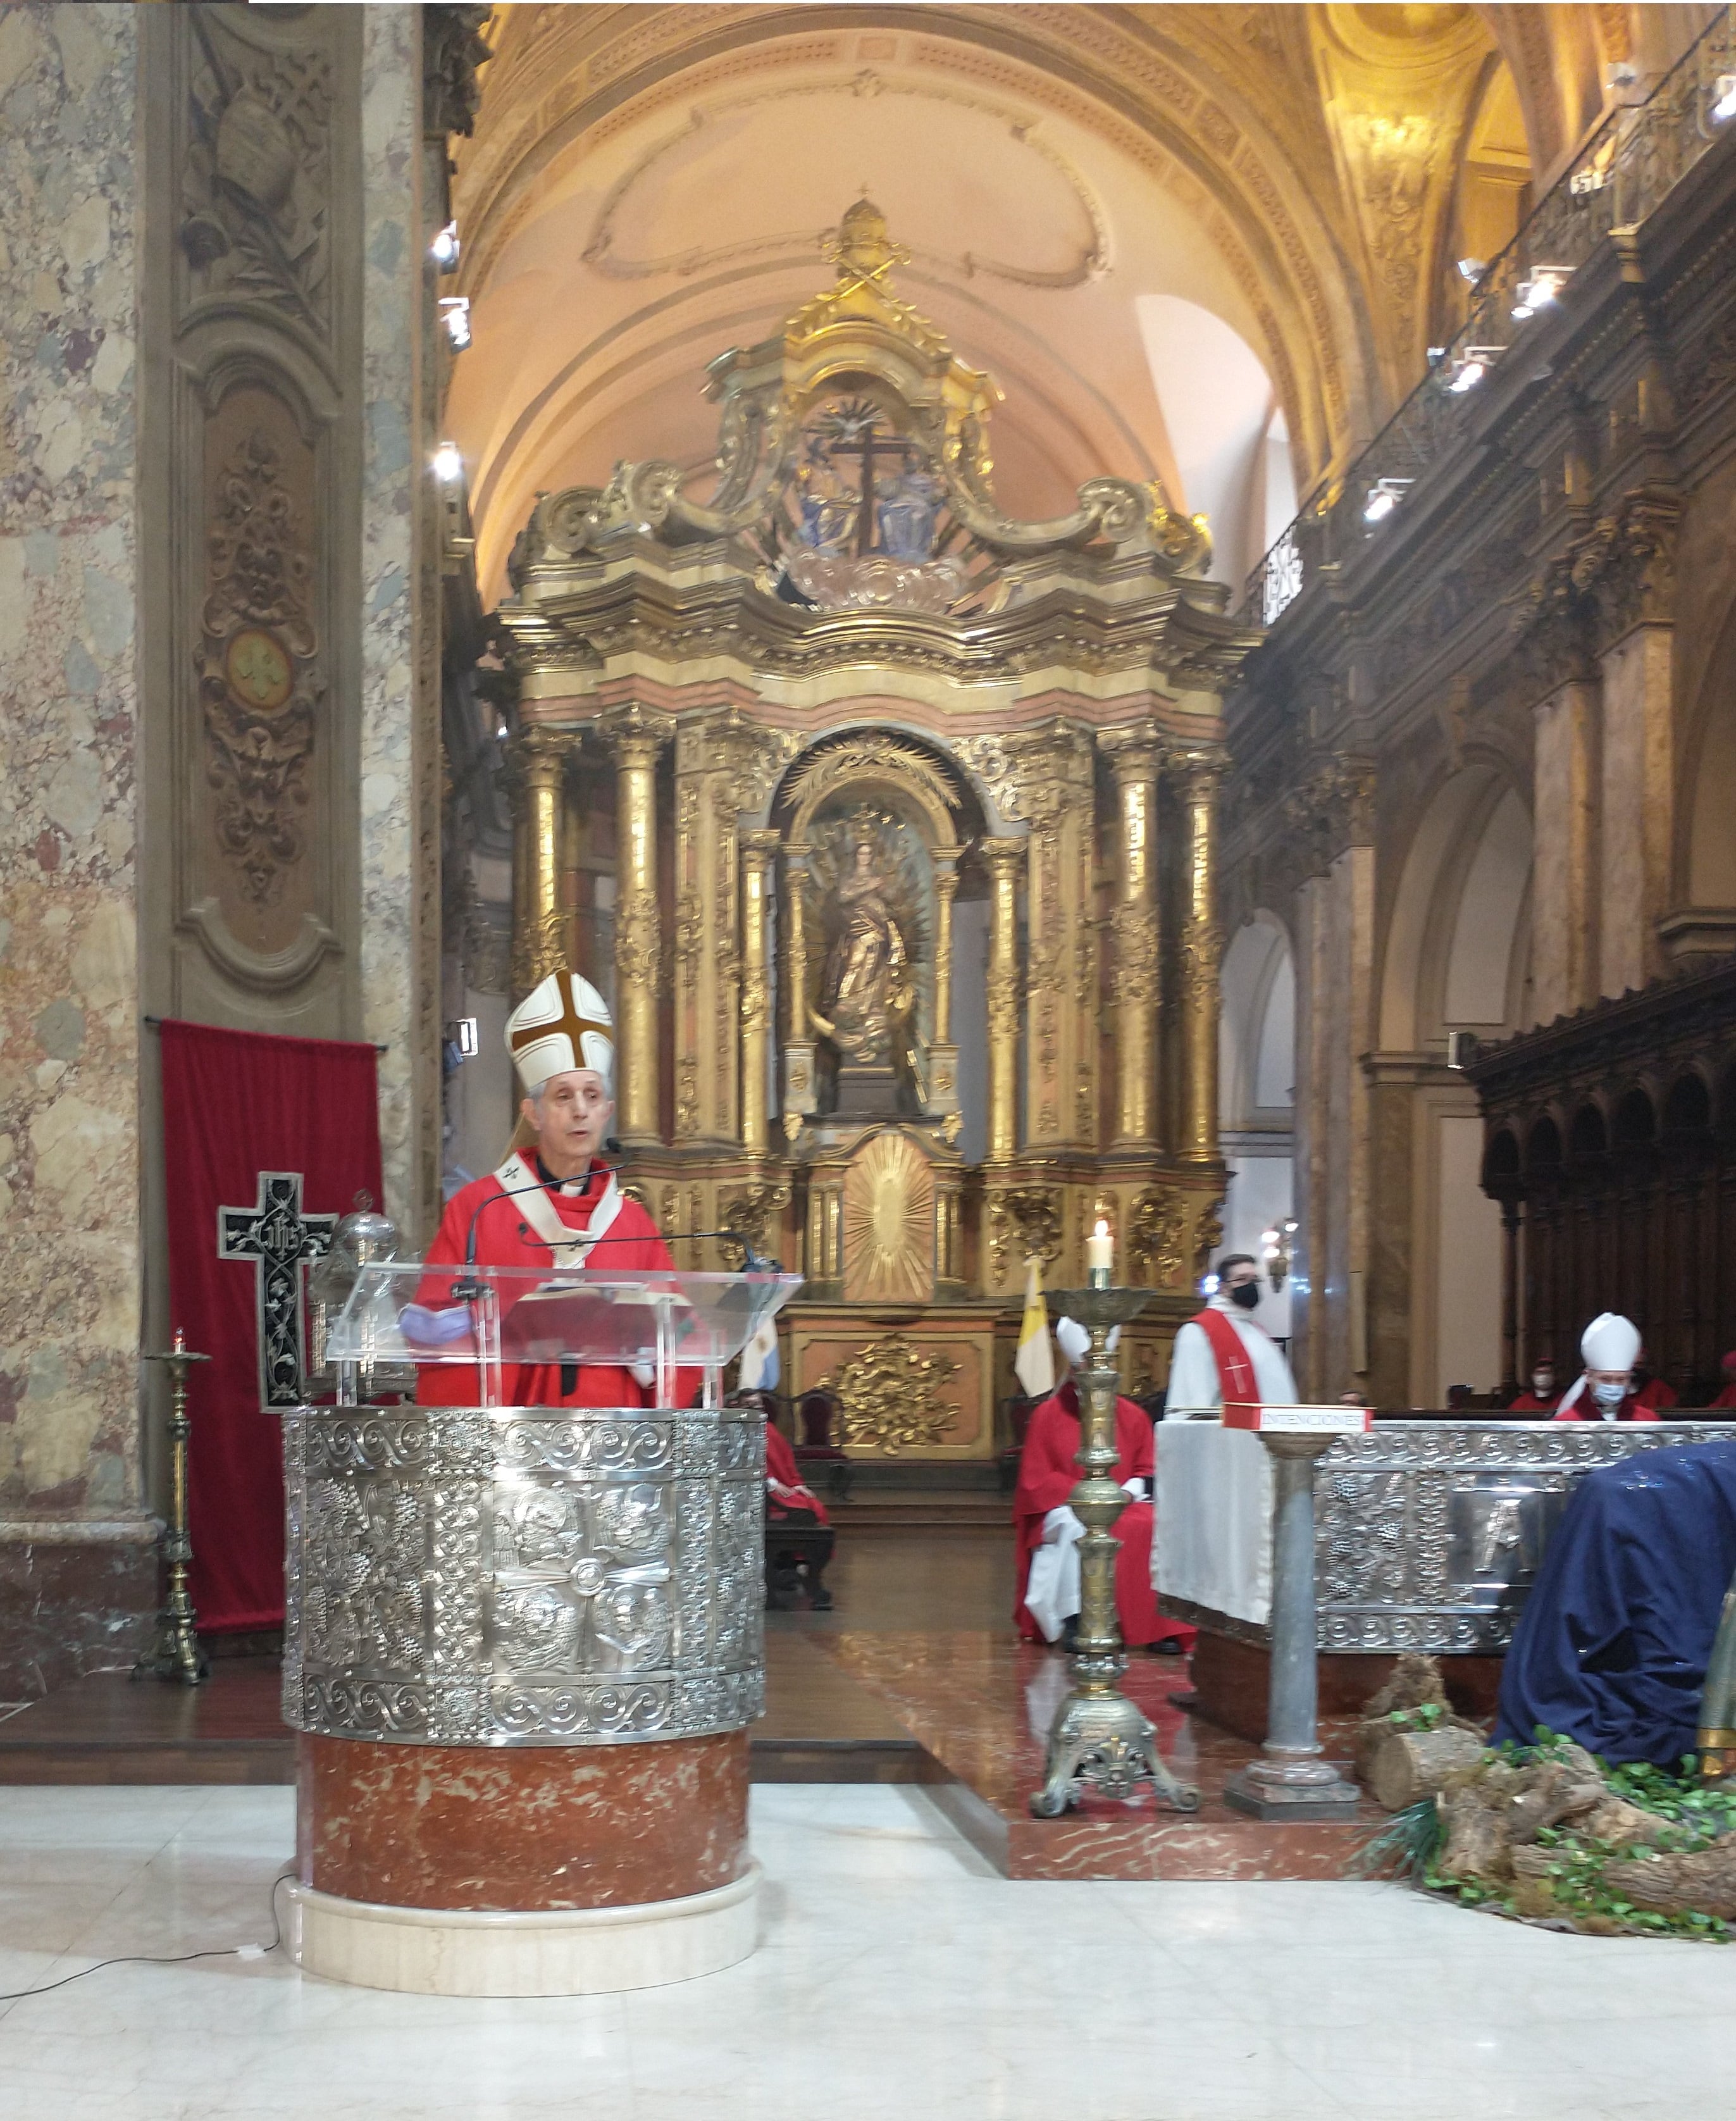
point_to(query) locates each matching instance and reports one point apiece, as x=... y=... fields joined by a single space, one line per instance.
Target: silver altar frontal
x=470 y=1578
x=524 y=1576
x=1427 y=1534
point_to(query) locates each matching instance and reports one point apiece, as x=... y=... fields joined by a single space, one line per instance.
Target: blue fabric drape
x=1612 y=1647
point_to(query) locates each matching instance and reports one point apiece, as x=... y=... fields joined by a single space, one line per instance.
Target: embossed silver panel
x=525 y=1577
x=1428 y=1534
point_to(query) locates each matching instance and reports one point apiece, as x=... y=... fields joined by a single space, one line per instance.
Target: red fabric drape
x=238 y=1105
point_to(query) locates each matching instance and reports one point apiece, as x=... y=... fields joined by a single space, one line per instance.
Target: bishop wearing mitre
x=557 y=1201
x=1050 y=1530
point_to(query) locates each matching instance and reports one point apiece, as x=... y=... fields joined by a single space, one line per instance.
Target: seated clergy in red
x=1543 y=1396
x=1649 y=1389
x=1727 y=1397
x=1047 y=1531
x=1609 y=1346
x=564 y=1202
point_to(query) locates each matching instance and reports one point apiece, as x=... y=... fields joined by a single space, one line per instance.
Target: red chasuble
x=1527 y=1402
x=1585 y=1408
x=503 y=1238
x=1047 y=1478
x=781 y=1466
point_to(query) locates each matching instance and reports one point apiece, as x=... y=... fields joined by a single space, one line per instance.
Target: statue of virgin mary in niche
x=866 y=994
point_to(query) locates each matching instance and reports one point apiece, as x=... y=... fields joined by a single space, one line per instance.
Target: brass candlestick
x=177 y=1655
x=1100 y=1739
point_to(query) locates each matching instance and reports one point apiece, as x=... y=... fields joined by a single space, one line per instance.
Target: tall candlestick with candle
x=1099 y=1257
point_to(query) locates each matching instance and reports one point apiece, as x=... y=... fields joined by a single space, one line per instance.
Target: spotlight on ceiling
x=455 y=315
x=1724 y=98
x=1541 y=289
x=1467 y=370
x=1383 y=498
x=448 y=464
x=444 y=248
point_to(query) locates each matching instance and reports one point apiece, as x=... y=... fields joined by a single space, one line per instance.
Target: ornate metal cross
x=277 y=1237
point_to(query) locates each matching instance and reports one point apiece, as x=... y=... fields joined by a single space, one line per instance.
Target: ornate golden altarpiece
x=791 y=725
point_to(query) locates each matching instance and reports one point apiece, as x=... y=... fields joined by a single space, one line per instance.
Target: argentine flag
x=760 y=1368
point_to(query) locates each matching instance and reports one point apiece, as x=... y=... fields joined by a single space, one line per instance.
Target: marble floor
x=897 y=1974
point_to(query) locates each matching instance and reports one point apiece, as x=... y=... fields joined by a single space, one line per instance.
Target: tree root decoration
x=1549 y=1834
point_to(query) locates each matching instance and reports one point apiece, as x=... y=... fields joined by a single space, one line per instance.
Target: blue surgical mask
x=1609 y=1394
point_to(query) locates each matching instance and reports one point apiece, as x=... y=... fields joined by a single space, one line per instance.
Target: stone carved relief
x=257 y=682
x=256 y=180
x=453 y=49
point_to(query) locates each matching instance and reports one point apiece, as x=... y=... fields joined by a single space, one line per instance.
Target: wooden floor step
x=913 y=1512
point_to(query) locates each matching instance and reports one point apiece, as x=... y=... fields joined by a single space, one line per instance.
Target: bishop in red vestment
x=554 y=1199
x=1048 y=1476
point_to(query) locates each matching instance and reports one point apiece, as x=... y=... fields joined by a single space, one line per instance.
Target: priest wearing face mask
x=1222 y=1354
x=1609 y=1348
x=1544 y=1395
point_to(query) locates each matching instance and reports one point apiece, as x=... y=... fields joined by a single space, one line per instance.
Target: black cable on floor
x=172 y=1958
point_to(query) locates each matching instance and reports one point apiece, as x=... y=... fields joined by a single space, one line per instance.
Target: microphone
x=516 y=1193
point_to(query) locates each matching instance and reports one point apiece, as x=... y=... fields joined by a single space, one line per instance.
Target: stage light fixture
x=455 y=315
x=1472 y=269
x=448 y=464
x=1467 y=370
x=1383 y=498
x=1724 y=98
x=445 y=247
x=1539 y=291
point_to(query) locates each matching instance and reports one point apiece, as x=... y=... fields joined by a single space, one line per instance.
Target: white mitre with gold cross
x=561 y=1024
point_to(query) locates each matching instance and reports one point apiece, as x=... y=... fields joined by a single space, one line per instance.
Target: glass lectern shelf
x=498 y=1317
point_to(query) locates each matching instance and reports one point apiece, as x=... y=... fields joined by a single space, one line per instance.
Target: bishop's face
x=571 y=1118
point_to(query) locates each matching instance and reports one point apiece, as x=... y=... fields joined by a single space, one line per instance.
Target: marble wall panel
x=399 y=777
x=69 y=1200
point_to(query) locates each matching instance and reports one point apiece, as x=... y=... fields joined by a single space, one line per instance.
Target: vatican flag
x=1034 y=1365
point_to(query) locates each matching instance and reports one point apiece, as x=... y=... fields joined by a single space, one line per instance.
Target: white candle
x=1100 y=1255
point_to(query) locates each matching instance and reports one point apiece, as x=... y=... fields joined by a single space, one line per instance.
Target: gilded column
x=1132 y=754
x=942 y=1053
x=1005 y=858
x=1201 y=954
x=637 y=737
x=799 y=1087
x=758 y=858
x=538 y=769
x=1055 y=796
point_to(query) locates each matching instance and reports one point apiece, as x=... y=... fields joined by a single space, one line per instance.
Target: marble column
x=1564 y=915
x=1005 y=858
x=77 y=1559
x=637 y=739
x=1636 y=809
x=1134 y=756
x=402 y=197
x=538 y=768
x=758 y=861
x=1202 y=956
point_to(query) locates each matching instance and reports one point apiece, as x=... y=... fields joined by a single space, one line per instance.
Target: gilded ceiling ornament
x=891 y=1397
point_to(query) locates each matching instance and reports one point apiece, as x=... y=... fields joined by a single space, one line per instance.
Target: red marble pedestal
x=538 y=1870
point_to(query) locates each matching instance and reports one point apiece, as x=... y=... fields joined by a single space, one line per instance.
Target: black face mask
x=1245 y=1293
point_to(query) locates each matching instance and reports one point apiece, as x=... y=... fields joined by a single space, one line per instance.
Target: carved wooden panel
x=256 y=124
